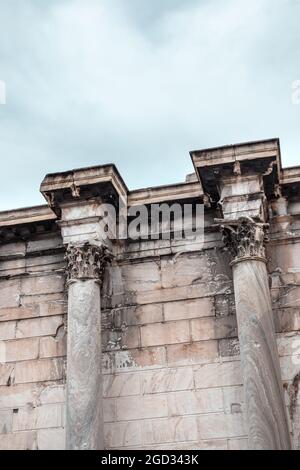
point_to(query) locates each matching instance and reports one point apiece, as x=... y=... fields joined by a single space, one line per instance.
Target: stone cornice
x=100 y=182
x=291 y=175
x=24 y=224
x=217 y=166
x=243 y=162
x=159 y=194
x=26 y=215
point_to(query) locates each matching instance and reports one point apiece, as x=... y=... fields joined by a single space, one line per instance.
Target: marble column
x=266 y=415
x=84 y=416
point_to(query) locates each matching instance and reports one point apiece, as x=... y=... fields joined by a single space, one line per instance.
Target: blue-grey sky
x=140 y=83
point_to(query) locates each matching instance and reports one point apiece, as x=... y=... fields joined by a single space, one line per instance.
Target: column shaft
x=85 y=268
x=84 y=424
x=263 y=388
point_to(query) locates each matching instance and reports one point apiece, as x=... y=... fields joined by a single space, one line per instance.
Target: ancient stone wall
x=172 y=374
x=183 y=365
x=33 y=343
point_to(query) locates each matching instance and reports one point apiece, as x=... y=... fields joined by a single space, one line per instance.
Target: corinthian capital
x=244 y=238
x=86 y=261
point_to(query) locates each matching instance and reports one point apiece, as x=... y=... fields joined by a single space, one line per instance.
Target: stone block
x=214 y=426
x=127 y=338
x=7 y=330
x=212 y=444
x=44 y=243
x=109 y=410
x=19 y=441
x=238 y=444
x=52 y=393
x=10 y=293
x=45 y=416
x=233 y=399
x=288 y=344
x=133 y=359
x=43 y=300
x=12 y=267
x=290 y=298
x=194 y=402
x=218 y=374
x=229 y=348
x=53 y=347
x=54 y=307
x=19 y=395
x=290 y=366
x=165 y=333
x=21 y=349
x=45 y=264
x=150 y=357
x=192 y=353
x=124 y=434
x=167 y=380
x=158 y=431
x=38 y=326
x=143 y=314
x=141 y=276
x=286 y=256
x=130 y=408
x=6 y=374
x=171 y=294
x=184 y=270
x=47 y=284
x=184 y=309
x=17 y=313
x=121 y=385
x=51 y=439
x=5 y=421
x=225 y=305
x=15 y=249
x=213 y=328
x=287 y=319
x=39 y=370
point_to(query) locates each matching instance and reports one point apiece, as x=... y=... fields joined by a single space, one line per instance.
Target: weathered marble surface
x=263 y=388
x=84 y=422
x=171 y=366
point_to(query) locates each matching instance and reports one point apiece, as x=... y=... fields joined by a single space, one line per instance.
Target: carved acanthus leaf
x=86 y=261
x=245 y=238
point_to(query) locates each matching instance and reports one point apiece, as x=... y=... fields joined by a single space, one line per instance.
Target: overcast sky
x=140 y=83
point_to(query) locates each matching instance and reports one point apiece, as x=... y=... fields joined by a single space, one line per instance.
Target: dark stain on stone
x=293 y=390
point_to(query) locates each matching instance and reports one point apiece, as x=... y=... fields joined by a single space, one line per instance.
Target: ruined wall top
x=233 y=181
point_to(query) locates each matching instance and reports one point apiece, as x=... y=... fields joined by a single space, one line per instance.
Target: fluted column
x=263 y=390
x=84 y=416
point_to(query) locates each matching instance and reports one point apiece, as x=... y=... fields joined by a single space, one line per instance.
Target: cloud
x=141 y=83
